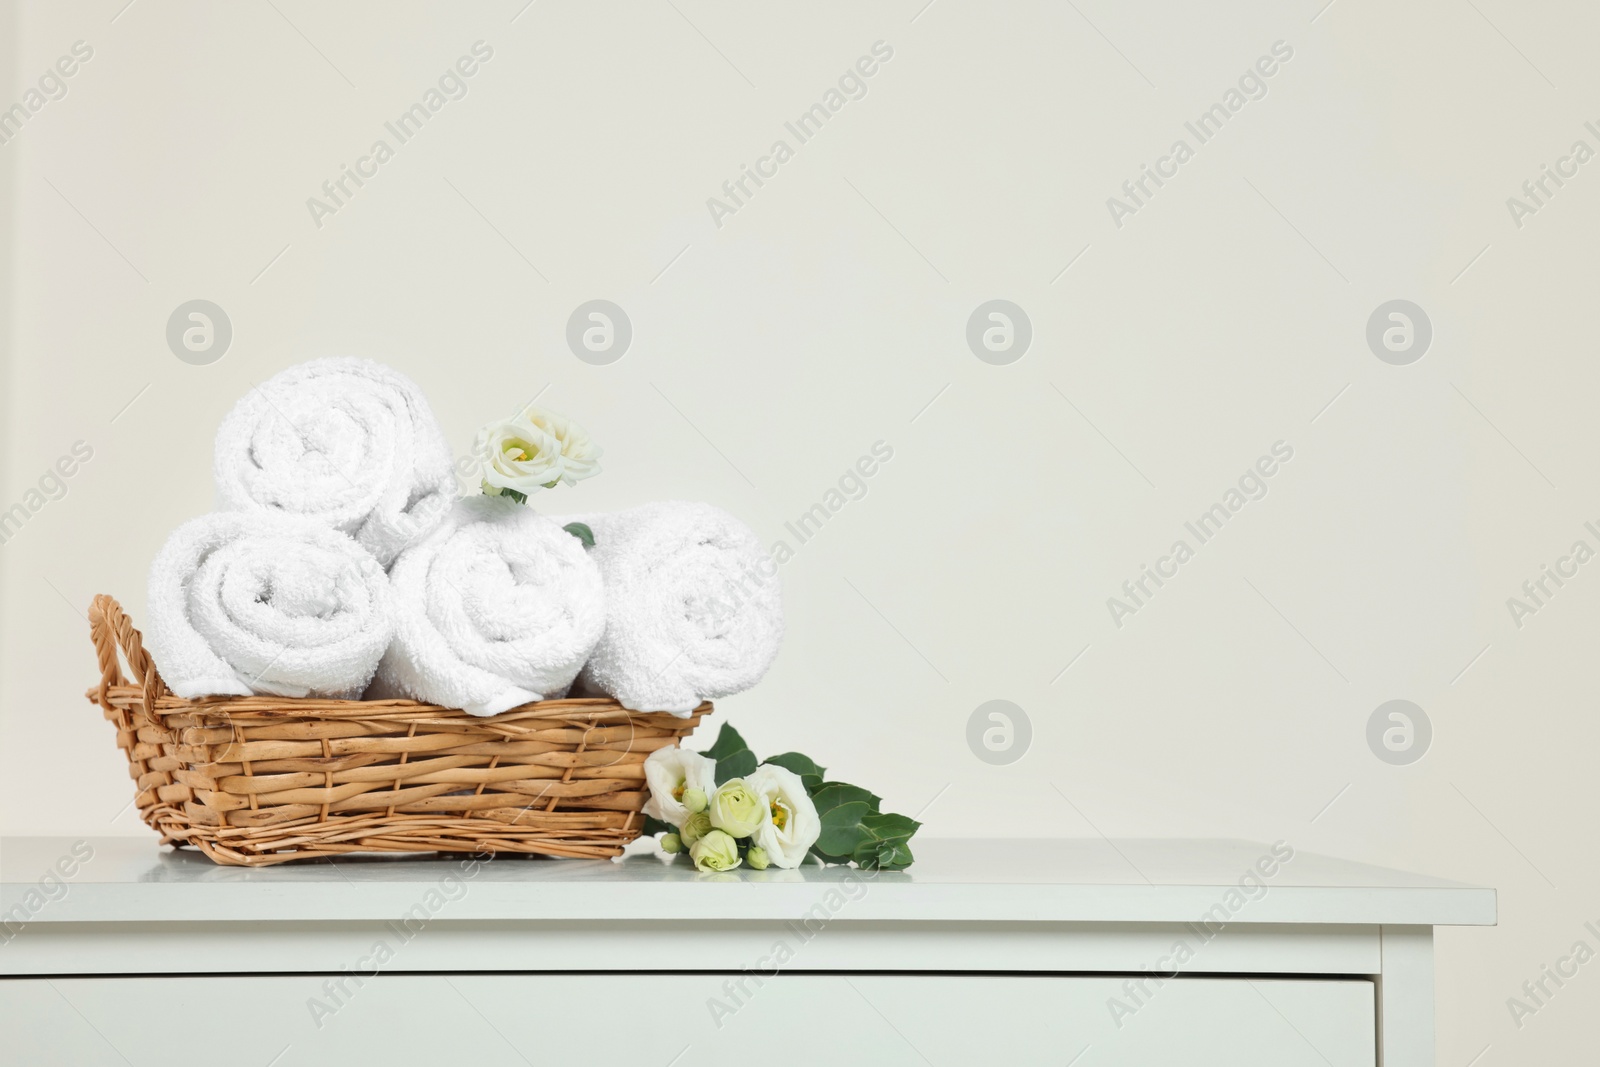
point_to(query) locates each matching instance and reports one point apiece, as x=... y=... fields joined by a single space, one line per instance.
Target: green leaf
x=889 y=827
x=733 y=756
x=521 y=498
x=831 y=793
x=884 y=841
x=727 y=743
x=582 y=532
x=810 y=774
x=735 y=766
x=887 y=856
x=654 y=826
x=842 y=808
x=841 y=828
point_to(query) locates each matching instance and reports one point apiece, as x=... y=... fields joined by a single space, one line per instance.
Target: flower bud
x=671 y=843
x=756 y=858
x=694 y=800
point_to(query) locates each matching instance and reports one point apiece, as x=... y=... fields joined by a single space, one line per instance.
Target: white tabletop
x=131 y=879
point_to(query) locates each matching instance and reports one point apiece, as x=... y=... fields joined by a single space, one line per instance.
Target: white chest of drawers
x=1087 y=953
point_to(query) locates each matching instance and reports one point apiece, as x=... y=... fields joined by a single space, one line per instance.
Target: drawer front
x=687 y=1019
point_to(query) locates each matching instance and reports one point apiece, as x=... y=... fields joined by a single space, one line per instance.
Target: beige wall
x=826 y=313
x=8 y=213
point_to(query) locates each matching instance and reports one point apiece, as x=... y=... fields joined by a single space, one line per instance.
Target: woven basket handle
x=111 y=629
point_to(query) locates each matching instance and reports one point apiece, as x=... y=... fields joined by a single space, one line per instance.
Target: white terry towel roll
x=498 y=607
x=347 y=441
x=693 y=608
x=243 y=603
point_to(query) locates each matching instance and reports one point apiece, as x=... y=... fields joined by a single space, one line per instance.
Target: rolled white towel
x=498 y=607
x=243 y=603
x=347 y=441
x=693 y=607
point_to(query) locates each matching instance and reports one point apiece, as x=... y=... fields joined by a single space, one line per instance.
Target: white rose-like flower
x=792 y=825
x=517 y=455
x=694 y=828
x=736 y=809
x=716 y=851
x=669 y=773
x=580 y=456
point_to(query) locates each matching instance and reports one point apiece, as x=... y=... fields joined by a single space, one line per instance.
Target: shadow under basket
x=252 y=781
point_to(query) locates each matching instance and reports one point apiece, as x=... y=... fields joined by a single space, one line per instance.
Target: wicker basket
x=258 y=780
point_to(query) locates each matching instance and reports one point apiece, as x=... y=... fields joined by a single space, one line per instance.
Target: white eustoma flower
x=792 y=825
x=580 y=456
x=517 y=455
x=671 y=771
x=536 y=449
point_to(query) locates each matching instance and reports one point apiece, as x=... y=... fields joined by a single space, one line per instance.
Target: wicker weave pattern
x=261 y=780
